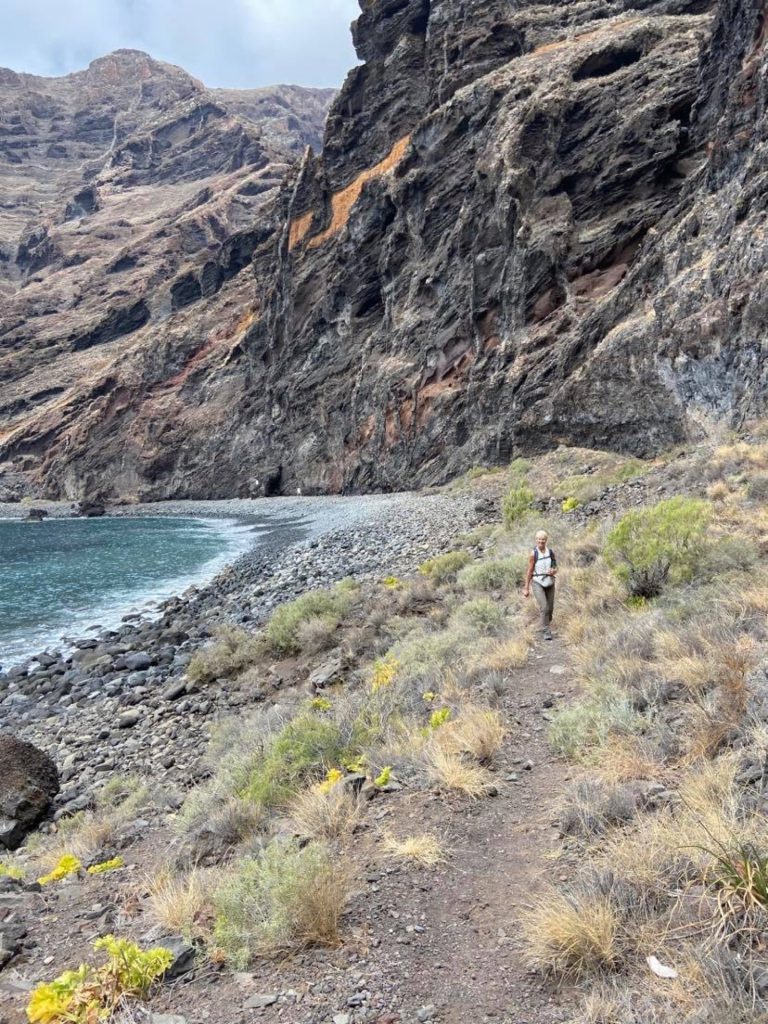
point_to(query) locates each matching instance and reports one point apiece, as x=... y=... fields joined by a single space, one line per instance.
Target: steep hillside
x=529 y=224
x=416 y=805
x=130 y=194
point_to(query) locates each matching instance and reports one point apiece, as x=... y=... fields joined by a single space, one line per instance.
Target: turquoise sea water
x=58 y=578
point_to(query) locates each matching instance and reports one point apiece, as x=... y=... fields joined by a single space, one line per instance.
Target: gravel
x=120 y=700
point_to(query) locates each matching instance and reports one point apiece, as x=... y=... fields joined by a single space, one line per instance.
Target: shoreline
x=122 y=697
x=273 y=525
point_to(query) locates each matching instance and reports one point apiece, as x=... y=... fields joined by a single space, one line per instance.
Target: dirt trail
x=502 y=851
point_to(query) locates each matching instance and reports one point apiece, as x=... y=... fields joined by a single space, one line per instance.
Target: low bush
x=305 y=748
x=480 y=616
x=233 y=651
x=649 y=546
x=516 y=504
x=501 y=574
x=590 y=808
x=214 y=821
x=94 y=993
x=591 y=721
x=757 y=488
x=443 y=568
x=424 y=656
x=283 y=629
x=317 y=634
x=286 y=898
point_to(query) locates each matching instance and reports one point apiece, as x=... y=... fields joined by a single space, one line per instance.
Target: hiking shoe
x=548 y=634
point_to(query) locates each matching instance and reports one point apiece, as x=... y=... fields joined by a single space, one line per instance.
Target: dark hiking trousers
x=545 y=599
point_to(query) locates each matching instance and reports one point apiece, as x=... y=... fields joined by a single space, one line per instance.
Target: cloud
x=237 y=43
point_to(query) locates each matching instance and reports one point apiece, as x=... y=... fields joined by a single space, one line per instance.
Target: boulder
x=28 y=783
x=37 y=515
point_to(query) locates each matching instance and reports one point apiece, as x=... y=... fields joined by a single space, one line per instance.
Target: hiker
x=542 y=569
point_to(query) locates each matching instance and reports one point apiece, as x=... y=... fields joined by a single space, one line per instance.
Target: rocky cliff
x=132 y=199
x=529 y=224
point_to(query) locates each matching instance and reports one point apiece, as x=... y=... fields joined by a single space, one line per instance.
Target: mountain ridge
x=133 y=193
x=527 y=227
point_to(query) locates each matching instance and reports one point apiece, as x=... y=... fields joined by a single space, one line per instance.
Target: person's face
x=541 y=543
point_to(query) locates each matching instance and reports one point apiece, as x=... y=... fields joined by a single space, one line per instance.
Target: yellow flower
x=107 y=865
x=68 y=865
x=333 y=778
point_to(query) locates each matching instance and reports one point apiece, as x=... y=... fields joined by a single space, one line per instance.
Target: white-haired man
x=542 y=570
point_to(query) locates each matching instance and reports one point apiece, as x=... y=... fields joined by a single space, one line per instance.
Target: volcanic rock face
x=559 y=237
x=131 y=196
x=529 y=224
x=28 y=783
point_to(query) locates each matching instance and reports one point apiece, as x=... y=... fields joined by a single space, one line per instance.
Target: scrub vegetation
x=661 y=911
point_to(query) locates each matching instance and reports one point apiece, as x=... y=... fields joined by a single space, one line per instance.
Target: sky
x=225 y=43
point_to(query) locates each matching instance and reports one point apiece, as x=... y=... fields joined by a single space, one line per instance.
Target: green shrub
x=232 y=652
x=519 y=469
x=286 y=898
x=516 y=504
x=445 y=567
x=586 y=487
x=283 y=628
x=94 y=993
x=592 y=720
x=480 y=615
x=305 y=748
x=571 y=504
x=648 y=546
x=500 y=574
x=424 y=655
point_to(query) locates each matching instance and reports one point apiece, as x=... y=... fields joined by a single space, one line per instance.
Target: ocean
x=62 y=577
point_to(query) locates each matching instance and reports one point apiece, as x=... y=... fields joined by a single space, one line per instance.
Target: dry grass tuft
x=626 y=758
x=182 y=904
x=454 y=772
x=504 y=656
x=475 y=731
x=320 y=813
x=591 y=594
x=572 y=935
x=424 y=849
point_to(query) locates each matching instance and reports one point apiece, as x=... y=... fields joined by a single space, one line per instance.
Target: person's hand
x=526 y=592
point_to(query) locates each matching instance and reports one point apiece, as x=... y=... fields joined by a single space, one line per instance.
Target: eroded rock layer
x=529 y=224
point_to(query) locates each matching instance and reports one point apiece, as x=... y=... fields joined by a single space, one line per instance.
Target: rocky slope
x=529 y=224
x=132 y=199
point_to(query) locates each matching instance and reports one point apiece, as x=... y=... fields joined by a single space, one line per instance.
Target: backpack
x=536 y=553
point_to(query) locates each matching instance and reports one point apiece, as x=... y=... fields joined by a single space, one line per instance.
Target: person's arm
x=529 y=576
